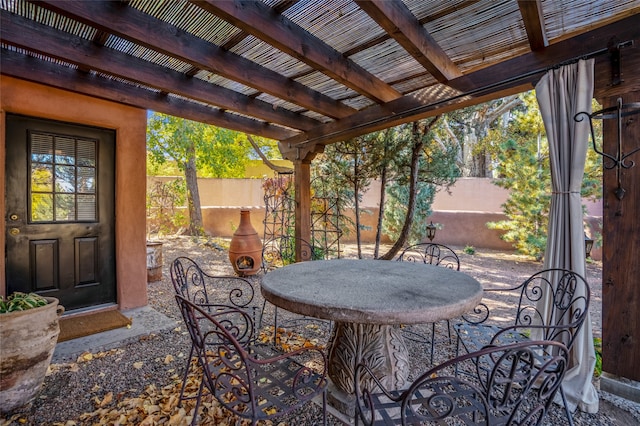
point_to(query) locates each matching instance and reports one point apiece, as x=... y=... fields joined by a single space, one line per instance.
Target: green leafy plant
x=521 y=155
x=19 y=301
x=597 y=344
x=470 y=250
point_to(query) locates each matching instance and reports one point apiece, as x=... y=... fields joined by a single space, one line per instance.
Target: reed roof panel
x=300 y=74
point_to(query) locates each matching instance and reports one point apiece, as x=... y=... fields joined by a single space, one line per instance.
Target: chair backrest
x=281 y=251
x=191 y=282
x=560 y=317
x=568 y=297
x=511 y=384
x=431 y=253
x=220 y=334
x=257 y=383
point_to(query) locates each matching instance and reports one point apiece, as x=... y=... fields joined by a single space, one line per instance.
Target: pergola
x=310 y=73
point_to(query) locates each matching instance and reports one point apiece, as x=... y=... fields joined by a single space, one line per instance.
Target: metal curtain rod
x=417 y=109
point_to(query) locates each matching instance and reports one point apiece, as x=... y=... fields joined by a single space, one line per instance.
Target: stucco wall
x=461 y=213
x=22 y=97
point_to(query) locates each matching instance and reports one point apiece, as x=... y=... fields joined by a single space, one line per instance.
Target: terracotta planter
x=245 y=250
x=28 y=341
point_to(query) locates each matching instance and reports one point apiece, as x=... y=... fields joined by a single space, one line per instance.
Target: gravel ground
x=137 y=382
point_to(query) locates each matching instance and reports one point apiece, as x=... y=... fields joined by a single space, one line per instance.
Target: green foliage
x=470 y=250
x=522 y=164
x=597 y=345
x=220 y=153
x=19 y=301
x=437 y=168
x=395 y=213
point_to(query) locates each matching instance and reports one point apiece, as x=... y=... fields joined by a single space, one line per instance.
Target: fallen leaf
x=168 y=359
x=138 y=365
x=107 y=399
x=85 y=357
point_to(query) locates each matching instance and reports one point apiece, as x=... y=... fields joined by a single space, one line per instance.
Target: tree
x=420 y=166
x=410 y=163
x=522 y=166
x=467 y=127
x=350 y=167
x=195 y=149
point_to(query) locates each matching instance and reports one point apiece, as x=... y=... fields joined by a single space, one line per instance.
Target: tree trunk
x=413 y=183
x=356 y=190
x=419 y=133
x=193 y=195
x=383 y=184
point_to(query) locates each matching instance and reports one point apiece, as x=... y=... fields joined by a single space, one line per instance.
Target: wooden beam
x=508 y=77
x=39 y=71
x=140 y=28
x=236 y=39
x=453 y=8
x=29 y=35
x=264 y=23
x=380 y=117
x=557 y=53
x=531 y=11
x=398 y=21
x=629 y=64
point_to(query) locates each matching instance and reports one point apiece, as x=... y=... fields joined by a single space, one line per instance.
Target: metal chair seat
x=511 y=384
x=255 y=382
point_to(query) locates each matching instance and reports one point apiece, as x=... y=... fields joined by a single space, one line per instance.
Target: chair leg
x=275 y=325
x=324 y=407
x=195 y=410
x=566 y=406
x=185 y=375
x=433 y=339
x=264 y=306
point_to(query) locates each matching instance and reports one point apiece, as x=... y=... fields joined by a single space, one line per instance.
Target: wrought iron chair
x=569 y=297
x=201 y=288
x=280 y=252
x=511 y=384
x=433 y=254
x=251 y=381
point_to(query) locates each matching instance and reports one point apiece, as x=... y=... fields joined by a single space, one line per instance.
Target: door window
x=63 y=178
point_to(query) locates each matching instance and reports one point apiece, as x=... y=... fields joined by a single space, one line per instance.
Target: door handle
x=14 y=231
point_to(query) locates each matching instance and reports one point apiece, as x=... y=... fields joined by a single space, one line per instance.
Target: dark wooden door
x=60 y=211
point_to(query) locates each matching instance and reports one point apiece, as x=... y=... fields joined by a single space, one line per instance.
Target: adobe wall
x=461 y=213
x=26 y=98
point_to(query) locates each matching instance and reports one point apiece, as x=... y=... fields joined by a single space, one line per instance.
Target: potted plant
x=28 y=331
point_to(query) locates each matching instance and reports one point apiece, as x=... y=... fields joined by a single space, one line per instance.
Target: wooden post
x=303 y=207
x=620 y=229
x=621 y=245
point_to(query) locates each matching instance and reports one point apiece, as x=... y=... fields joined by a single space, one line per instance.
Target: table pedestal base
x=381 y=347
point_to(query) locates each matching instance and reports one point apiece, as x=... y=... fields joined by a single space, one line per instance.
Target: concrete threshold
x=619 y=386
x=144 y=321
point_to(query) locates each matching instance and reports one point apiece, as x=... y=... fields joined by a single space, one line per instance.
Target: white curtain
x=562 y=93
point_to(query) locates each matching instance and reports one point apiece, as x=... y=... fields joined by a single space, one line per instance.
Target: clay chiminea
x=245 y=250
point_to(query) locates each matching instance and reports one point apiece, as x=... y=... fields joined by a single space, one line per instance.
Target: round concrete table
x=365 y=298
